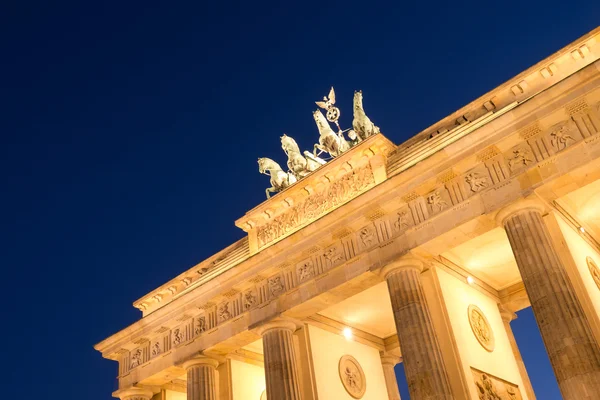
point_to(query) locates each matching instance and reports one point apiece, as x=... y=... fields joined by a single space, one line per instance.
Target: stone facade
x=420 y=252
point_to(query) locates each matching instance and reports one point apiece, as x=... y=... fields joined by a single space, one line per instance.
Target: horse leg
x=268 y=191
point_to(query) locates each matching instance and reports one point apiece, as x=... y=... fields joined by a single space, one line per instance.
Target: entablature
x=531 y=145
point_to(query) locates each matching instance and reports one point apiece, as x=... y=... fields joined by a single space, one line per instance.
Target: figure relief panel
x=224 y=312
x=305 y=270
x=333 y=255
x=490 y=387
x=156 y=347
x=250 y=298
x=178 y=336
x=352 y=376
x=481 y=328
x=367 y=237
x=438 y=200
x=478 y=179
x=199 y=324
x=402 y=220
x=276 y=286
x=520 y=158
x=136 y=358
x=563 y=134
x=594 y=270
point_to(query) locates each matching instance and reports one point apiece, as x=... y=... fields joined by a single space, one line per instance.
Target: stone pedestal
x=133 y=393
x=388 y=363
x=572 y=349
x=425 y=372
x=281 y=365
x=201 y=378
x=507 y=317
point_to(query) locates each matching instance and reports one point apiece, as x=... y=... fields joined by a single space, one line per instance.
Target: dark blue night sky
x=130 y=133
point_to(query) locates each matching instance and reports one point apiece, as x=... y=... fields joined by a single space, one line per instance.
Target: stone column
x=281 y=366
x=423 y=365
x=572 y=349
x=507 y=317
x=389 y=362
x=133 y=393
x=201 y=378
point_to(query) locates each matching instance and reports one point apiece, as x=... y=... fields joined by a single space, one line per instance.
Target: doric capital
x=403 y=263
x=506 y=314
x=133 y=393
x=283 y=324
x=389 y=359
x=200 y=361
x=518 y=207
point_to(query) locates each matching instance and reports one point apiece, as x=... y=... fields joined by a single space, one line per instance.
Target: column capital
x=506 y=314
x=389 y=359
x=517 y=207
x=200 y=361
x=133 y=393
x=401 y=264
x=283 y=324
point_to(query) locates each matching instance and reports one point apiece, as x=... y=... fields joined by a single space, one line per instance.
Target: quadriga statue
x=279 y=178
x=329 y=141
x=361 y=124
x=300 y=165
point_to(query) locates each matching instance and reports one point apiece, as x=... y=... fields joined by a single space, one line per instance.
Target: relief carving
x=352 y=376
x=178 y=336
x=224 y=313
x=136 y=358
x=561 y=135
x=402 y=220
x=520 y=157
x=156 y=350
x=367 y=236
x=333 y=255
x=481 y=328
x=276 y=286
x=305 y=270
x=594 y=270
x=477 y=181
x=436 y=201
x=200 y=325
x=333 y=195
x=249 y=299
x=490 y=387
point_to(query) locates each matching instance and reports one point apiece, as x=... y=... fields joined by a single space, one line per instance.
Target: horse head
x=289 y=144
x=358 y=100
x=322 y=123
x=266 y=164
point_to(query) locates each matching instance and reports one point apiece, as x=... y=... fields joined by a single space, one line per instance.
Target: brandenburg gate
x=367 y=254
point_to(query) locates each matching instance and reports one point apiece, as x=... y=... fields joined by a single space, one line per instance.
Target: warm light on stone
x=375 y=243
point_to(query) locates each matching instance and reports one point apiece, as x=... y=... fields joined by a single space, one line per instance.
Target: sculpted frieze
x=490 y=387
x=331 y=196
x=414 y=212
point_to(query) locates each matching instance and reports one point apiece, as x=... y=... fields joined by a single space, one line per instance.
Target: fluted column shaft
x=388 y=363
x=201 y=379
x=508 y=316
x=281 y=364
x=423 y=364
x=572 y=349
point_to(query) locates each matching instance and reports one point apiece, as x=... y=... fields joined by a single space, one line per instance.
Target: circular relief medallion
x=481 y=328
x=594 y=270
x=263 y=395
x=352 y=376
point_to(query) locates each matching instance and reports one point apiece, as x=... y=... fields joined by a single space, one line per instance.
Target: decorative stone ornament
x=594 y=270
x=481 y=328
x=352 y=376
